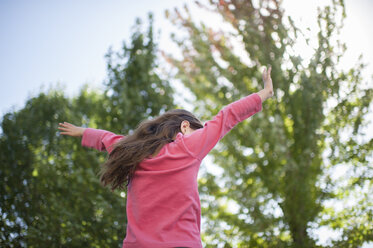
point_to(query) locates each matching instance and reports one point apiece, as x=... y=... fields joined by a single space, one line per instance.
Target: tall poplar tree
x=275 y=166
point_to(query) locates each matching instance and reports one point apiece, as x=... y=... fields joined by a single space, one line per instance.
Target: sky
x=44 y=43
x=47 y=42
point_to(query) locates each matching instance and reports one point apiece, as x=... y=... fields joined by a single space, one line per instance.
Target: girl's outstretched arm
x=201 y=141
x=94 y=138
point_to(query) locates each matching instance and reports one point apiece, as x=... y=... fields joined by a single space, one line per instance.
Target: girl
x=159 y=164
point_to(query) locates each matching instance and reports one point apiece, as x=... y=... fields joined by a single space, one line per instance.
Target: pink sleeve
x=200 y=142
x=100 y=139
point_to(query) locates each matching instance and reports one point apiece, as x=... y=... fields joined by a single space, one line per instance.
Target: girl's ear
x=185 y=123
x=184 y=126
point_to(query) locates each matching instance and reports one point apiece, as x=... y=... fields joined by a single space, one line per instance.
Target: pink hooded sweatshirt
x=163 y=205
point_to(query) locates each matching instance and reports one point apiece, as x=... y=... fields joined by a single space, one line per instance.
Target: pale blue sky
x=44 y=42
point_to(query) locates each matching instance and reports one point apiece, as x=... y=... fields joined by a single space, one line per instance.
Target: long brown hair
x=147 y=139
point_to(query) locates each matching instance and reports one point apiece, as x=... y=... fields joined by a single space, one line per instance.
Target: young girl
x=159 y=164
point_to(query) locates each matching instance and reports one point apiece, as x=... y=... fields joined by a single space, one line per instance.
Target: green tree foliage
x=50 y=195
x=276 y=167
x=134 y=90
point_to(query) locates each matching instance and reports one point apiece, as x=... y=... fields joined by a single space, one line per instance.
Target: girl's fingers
x=269 y=70
x=65 y=124
x=67 y=133
x=65 y=130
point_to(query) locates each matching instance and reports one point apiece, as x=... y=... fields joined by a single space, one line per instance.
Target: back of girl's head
x=147 y=139
x=167 y=125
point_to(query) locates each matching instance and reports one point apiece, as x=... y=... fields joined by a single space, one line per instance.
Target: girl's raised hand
x=268 y=81
x=71 y=130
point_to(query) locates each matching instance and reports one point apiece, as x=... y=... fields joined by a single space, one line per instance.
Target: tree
x=134 y=90
x=51 y=195
x=276 y=166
